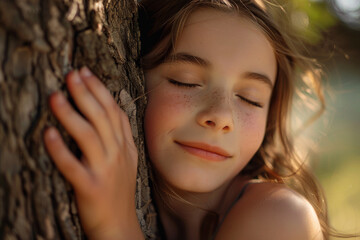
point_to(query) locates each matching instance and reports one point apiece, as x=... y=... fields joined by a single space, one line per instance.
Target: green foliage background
x=337 y=159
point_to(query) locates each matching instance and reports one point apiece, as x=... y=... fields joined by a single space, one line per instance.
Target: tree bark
x=41 y=41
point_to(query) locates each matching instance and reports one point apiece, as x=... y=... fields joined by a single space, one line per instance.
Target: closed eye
x=191 y=85
x=256 y=104
x=181 y=84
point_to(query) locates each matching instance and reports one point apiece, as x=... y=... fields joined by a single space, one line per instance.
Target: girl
x=220 y=77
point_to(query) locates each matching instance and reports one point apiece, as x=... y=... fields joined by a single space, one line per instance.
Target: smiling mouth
x=204 y=151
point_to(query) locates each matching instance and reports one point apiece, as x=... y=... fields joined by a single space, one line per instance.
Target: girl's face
x=207 y=108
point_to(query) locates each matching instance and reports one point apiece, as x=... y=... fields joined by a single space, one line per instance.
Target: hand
x=104 y=179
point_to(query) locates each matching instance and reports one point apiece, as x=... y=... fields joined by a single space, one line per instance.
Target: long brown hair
x=161 y=23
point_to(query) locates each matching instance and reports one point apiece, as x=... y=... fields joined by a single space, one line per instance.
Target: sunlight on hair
x=309 y=121
x=261 y=4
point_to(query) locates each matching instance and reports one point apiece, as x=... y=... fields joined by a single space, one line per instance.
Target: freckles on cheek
x=164 y=108
x=255 y=124
x=164 y=112
x=186 y=101
x=171 y=100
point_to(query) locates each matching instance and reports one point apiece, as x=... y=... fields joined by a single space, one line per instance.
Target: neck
x=182 y=216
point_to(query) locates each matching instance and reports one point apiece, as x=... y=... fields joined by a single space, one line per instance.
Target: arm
x=104 y=178
x=273 y=212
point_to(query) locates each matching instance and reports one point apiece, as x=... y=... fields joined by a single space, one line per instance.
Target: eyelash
x=191 y=85
x=256 y=104
x=181 y=84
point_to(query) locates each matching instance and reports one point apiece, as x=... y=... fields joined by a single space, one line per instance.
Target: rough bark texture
x=40 y=41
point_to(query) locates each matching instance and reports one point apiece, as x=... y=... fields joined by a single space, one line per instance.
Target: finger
x=66 y=162
x=103 y=96
x=83 y=133
x=93 y=110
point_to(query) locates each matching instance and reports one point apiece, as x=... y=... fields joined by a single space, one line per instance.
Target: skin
x=105 y=176
x=218 y=110
x=215 y=111
x=225 y=106
x=271 y=211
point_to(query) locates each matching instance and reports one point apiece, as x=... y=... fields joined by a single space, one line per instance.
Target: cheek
x=165 y=111
x=163 y=107
x=250 y=134
x=254 y=122
x=253 y=129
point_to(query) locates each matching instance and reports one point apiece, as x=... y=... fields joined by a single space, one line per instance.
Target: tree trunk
x=40 y=41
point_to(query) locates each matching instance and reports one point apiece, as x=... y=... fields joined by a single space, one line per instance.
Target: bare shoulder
x=271 y=211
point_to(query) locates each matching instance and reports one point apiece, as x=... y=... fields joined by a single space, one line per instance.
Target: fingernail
x=51 y=134
x=76 y=77
x=85 y=72
x=59 y=98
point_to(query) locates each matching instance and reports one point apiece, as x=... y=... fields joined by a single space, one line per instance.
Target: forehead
x=227 y=40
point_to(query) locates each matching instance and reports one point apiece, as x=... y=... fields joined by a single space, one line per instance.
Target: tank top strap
x=241 y=193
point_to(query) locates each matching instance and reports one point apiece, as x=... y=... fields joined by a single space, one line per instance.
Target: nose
x=217 y=115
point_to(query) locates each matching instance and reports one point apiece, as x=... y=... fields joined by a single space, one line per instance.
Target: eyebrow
x=259 y=77
x=188 y=58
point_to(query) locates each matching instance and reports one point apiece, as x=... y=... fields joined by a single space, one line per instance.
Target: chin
x=198 y=187
x=193 y=182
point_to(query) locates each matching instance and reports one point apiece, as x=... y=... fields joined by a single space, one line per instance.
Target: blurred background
x=332 y=27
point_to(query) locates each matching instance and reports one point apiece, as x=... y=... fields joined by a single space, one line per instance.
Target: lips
x=203 y=150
